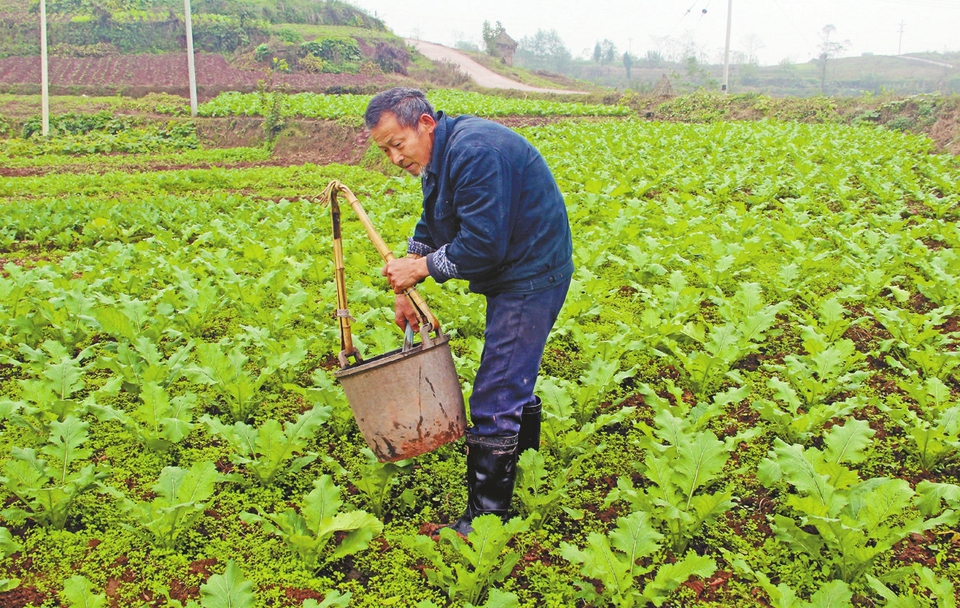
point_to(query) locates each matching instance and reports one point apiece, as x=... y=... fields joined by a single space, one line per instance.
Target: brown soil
x=946 y=132
x=22 y=596
x=319 y=142
x=303 y=141
x=136 y=75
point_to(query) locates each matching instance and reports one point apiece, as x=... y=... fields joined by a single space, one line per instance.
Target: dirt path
x=483 y=76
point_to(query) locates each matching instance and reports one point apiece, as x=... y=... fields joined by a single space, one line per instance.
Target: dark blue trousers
x=518 y=325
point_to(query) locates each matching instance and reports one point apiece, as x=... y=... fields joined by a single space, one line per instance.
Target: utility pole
x=726 y=51
x=900 y=29
x=191 y=69
x=44 y=74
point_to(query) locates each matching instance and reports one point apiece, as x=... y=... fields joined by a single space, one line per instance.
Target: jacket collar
x=439 y=146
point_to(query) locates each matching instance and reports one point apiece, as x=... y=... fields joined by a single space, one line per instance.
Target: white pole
x=191 y=69
x=726 y=52
x=44 y=75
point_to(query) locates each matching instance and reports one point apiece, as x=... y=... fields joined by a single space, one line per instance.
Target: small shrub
x=391 y=58
x=288 y=35
x=311 y=64
x=335 y=50
x=261 y=52
x=901 y=123
x=310 y=49
x=78 y=124
x=447 y=73
x=331 y=67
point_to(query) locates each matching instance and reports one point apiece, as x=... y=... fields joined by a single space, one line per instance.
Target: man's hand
x=404 y=313
x=404 y=273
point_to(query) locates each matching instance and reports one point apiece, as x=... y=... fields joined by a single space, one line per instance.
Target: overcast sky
x=773 y=29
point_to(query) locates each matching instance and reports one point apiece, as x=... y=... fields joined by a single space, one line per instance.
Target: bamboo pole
x=419 y=304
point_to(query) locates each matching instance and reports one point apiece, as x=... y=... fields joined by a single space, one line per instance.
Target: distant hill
x=849 y=76
x=137 y=46
x=257 y=35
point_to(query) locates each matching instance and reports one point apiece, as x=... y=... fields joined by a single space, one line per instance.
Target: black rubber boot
x=491 y=473
x=529 y=437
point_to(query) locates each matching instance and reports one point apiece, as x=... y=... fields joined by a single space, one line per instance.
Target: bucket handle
x=424 y=336
x=347 y=349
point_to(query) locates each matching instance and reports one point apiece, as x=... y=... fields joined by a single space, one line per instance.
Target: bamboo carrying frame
x=408 y=401
x=346 y=337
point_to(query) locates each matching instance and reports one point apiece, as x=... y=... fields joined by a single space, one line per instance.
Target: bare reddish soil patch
x=167 y=73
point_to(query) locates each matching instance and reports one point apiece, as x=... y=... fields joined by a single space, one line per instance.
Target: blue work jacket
x=492 y=211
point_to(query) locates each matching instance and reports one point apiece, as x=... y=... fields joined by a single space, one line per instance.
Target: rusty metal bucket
x=408 y=401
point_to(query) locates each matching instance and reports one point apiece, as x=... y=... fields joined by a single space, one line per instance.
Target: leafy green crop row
x=19 y=155
x=331 y=107
x=754 y=382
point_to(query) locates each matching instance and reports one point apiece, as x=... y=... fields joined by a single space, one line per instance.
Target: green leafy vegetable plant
x=7 y=548
x=602 y=376
x=265 y=451
x=181 y=497
x=749 y=321
x=931 y=495
x=280 y=358
x=325 y=392
x=933 y=426
x=377 y=479
x=917 y=343
x=227 y=590
x=542 y=491
x=140 y=362
x=683 y=460
x=803 y=403
x=479 y=561
x=8 y=584
x=831 y=320
x=52 y=395
x=829 y=595
x=226 y=373
x=855 y=521
x=495 y=599
x=319 y=524
x=47 y=488
x=614 y=560
x=704 y=370
x=563 y=434
x=159 y=421
x=78 y=593
x=918 y=590
x=941 y=272
x=7 y=545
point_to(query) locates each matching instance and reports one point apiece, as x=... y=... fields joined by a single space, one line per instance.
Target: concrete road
x=484 y=77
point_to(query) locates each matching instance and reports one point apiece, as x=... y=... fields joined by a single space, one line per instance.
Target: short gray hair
x=407 y=104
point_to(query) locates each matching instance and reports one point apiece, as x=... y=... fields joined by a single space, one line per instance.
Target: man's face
x=406 y=147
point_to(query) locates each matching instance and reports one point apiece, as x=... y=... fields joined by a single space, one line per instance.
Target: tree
x=627 y=63
x=654 y=59
x=828 y=49
x=608 y=52
x=597 y=53
x=752 y=44
x=490 y=37
x=544 y=50
x=467 y=45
